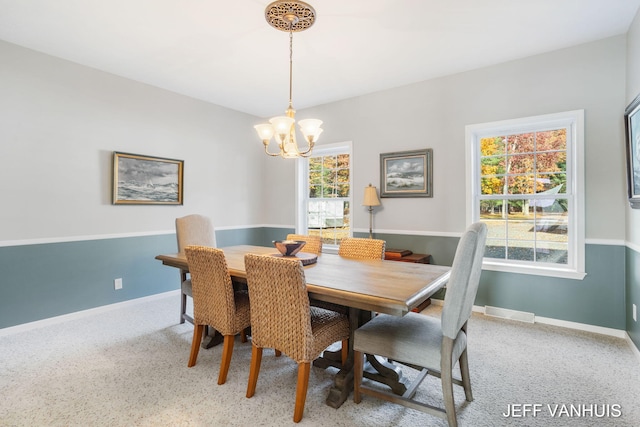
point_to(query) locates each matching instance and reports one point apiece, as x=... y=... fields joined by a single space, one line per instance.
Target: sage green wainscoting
x=259 y=236
x=633 y=295
x=46 y=280
x=598 y=299
x=40 y=281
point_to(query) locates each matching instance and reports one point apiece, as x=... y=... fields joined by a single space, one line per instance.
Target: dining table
x=364 y=288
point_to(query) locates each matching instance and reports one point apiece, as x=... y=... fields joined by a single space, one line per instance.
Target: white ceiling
x=224 y=52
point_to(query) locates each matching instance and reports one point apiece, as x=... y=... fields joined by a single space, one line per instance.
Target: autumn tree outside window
x=527 y=185
x=324 y=194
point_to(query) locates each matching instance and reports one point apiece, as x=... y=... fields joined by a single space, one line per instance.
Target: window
x=324 y=193
x=526 y=183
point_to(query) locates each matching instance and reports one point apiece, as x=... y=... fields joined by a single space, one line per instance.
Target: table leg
x=343 y=382
x=385 y=372
x=375 y=369
x=212 y=339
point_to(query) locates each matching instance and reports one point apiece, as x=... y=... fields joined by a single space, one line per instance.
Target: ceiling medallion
x=290 y=16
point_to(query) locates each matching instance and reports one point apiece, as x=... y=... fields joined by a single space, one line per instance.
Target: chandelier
x=289 y=16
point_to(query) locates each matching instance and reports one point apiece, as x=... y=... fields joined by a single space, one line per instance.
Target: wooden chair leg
x=227 y=352
x=301 y=390
x=344 y=354
x=195 y=344
x=358 y=366
x=256 y=360
x=446 y=376
x=243 y=335
x=464 y=373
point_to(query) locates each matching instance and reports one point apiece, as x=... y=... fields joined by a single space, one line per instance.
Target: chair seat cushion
x=413 y=338
x=187 y=288
x=327 y=327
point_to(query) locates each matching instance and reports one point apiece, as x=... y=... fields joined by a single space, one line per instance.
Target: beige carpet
x=128 y=367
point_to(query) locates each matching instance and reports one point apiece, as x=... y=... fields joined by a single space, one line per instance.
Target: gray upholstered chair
x=359 y=248
x=215 y=303
x=313 y=245
x=430 y=344
x=192 y=230
x=282 y=319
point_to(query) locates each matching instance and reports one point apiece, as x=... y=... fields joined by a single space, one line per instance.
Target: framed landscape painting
x=632 y=137
x=146 y=180
x=407 y=174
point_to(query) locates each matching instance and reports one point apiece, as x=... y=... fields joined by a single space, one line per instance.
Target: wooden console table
x=406 y=255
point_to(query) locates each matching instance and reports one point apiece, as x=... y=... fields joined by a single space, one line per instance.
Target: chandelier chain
x=290 y=69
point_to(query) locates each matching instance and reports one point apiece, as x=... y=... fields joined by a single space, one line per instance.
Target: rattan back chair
x=282 y=319
x=359 y=248
x=215 y=302
x=313 y=245
x=192 y=230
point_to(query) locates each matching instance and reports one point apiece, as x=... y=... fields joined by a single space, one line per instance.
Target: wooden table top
x=377 y=285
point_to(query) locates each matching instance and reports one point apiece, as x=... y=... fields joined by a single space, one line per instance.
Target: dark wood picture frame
x=632 y=138
x=407 y=173
x=147 y=180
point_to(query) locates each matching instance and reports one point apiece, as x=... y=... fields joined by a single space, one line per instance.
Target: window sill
x=564 y=273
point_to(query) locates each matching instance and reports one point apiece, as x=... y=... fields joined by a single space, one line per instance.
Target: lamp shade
x=310 y=128
x=370 y=196
x=265 y=131
x=282 y=124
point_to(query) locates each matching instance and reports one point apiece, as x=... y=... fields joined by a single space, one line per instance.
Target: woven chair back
x=313 y=245
x=280 y=313
x=354 y=247
x=213 y=300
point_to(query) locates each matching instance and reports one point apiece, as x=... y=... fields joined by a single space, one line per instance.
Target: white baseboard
x=505 y=313
x=84 y=313
x=555 y=322
x=618 y=333
x=634 y=349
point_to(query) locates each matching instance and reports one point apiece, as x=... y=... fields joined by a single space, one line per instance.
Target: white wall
x=434 y=113
x=60 y=123
x=633 y=89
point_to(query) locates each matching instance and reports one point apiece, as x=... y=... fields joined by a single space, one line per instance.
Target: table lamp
x=370 y=200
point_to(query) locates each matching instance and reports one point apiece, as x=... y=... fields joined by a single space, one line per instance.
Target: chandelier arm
x=307 y=151
x=266 y=150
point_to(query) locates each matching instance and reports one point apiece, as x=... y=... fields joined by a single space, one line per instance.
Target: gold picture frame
x=147 y=180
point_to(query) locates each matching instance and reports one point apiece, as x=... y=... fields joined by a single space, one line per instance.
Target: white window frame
x=302 y=186
x=574 y=122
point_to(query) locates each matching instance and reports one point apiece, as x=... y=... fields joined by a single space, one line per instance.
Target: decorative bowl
x=289 y=247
